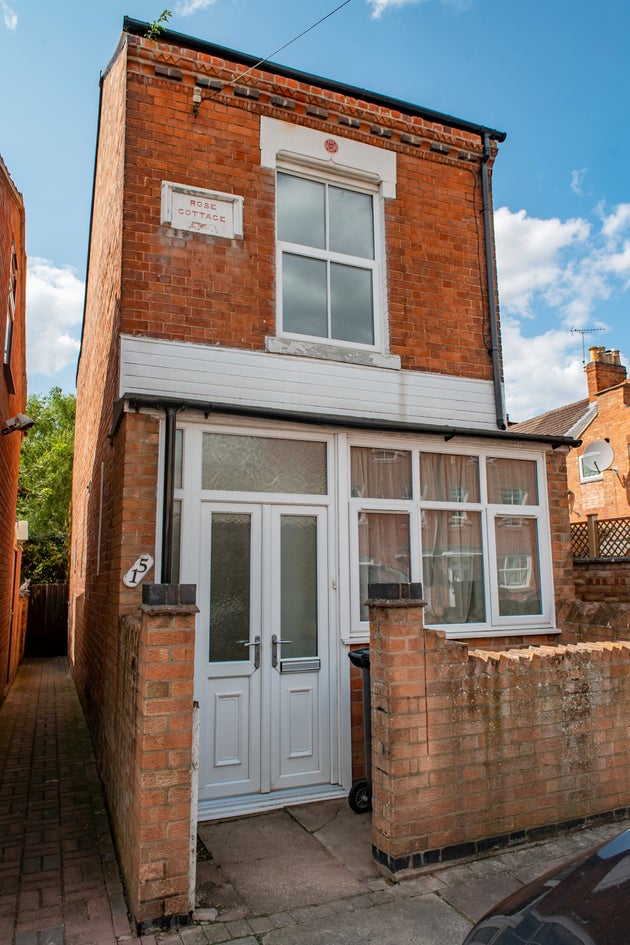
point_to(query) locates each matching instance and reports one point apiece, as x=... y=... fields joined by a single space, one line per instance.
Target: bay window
x=448 y=519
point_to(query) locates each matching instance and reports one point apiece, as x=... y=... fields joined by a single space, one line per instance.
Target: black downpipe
x=170 y=428
x=492 y=286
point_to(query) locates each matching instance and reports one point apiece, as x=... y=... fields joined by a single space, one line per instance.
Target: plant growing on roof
x=157 y=26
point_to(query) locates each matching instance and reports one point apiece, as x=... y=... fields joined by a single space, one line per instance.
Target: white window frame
x=495 y=624
x=592 y=476
x=375 y=265
x=331 y=158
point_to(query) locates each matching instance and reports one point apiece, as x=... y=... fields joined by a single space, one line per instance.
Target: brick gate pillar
x=399 y=719
x=157 y=856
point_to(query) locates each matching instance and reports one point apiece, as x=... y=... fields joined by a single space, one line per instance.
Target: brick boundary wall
x=477 y=749
x=150 y=801
x=602 y=579
x=593 y=621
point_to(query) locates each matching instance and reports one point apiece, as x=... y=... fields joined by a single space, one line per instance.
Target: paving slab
x=346 y=835
x=425 y=920
x=273 y=864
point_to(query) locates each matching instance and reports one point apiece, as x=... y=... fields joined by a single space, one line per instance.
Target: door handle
x=256 y=644
x=274 y=649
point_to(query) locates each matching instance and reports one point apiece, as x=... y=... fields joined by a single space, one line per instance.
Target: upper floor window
x=8 y=336
x=328 y=262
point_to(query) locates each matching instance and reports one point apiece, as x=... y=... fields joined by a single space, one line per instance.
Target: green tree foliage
x=45 y=486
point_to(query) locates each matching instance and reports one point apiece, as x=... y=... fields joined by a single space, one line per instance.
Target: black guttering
x=208 y=408
x=495 y=351
x=138 y=28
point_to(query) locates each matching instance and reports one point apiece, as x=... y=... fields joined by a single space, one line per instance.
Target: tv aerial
x=583 y=332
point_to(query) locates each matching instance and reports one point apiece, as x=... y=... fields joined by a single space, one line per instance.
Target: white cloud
x=617 y=221
x=541 y=372
x=188 y=7
x=576 y=180
x=9 y=16
x=54 y=308
x=529 y=255
x=380 y=6
x=556 y=274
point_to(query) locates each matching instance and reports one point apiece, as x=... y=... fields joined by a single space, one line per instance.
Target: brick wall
x=593 y=621
x=150 y=800
x=560 y=524
x=459 y=731
x=603 y=579
x=209 y=290
x=12 y=233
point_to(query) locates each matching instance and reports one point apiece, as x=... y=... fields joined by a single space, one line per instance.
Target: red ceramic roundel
x=331 y=145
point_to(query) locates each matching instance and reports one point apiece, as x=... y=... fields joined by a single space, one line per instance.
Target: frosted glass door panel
x=298 y=555
x=230 y=568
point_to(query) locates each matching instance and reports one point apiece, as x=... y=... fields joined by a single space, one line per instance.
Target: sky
x=553 y=74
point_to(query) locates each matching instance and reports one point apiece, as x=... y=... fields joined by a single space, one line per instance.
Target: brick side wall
x=12 y=232
x=603 y=580
x=150 y=800
x=98 y=365
x=209 y=290
x=97 y=499
x=560 y=526
x=458 y=732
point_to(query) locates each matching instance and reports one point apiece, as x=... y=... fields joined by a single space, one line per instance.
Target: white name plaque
x=201 y=211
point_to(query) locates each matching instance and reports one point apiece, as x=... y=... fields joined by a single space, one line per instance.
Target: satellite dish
x=598 y=456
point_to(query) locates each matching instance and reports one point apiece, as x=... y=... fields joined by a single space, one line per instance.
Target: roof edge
x=139 y=28
x=139 y=400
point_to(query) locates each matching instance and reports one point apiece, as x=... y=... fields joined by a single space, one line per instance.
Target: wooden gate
x=47 y=627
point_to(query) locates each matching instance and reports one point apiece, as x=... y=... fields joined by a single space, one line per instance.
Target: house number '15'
x=138 y=571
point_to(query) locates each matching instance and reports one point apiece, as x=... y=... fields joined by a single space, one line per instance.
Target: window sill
x=331 y=352
x=522 y=631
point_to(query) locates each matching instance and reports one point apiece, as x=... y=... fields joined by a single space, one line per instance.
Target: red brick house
x=290 y=386
x=598 y=471
x=12 y=402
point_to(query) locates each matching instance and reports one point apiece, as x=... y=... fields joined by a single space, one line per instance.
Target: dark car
x=584 y=902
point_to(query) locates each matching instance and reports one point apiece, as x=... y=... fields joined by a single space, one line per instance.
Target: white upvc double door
x=263 y=649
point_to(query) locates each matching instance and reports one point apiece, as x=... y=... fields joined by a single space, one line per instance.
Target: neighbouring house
x=598 y=470
x=12 y=402
x=598 y=476
x=289 y=388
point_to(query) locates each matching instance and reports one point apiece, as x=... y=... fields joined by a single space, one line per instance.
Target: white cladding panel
x=241 y=378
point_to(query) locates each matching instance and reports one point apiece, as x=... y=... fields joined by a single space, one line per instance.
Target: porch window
x=452 y=567
x=384 y=556
x=448 y=520
x=235 y=463
x=512 y=481
x=381 y=473
x=327 y=261
x=518 y=570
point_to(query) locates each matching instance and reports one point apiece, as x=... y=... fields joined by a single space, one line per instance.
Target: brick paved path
x=59 y=880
